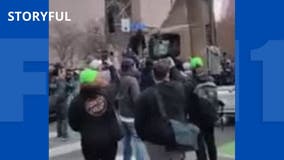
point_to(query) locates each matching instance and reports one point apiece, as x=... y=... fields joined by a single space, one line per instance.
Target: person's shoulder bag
x=185 y=133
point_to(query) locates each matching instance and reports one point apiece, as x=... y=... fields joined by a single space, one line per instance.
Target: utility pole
x=197 y=33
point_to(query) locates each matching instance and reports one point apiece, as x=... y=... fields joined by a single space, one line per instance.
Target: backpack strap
x=160 y=101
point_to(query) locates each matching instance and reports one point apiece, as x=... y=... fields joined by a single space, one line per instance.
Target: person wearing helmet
x=92 y=114
x=198 y=70
x=196 y=62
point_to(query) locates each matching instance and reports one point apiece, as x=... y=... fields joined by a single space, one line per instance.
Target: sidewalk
x=71 y=149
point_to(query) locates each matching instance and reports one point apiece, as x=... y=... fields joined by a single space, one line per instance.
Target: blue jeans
x=137 y=146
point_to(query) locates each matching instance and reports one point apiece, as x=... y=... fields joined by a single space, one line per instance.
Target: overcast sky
x=220 y=9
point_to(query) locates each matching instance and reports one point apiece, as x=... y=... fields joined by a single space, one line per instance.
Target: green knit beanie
x=196 y=62
x=88 y=76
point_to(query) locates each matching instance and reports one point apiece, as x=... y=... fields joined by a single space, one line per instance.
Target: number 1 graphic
x=272 y=57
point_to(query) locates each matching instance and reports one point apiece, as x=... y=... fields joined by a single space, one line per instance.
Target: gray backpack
x=208 y=102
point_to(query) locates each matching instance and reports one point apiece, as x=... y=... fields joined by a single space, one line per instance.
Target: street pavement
x=71 y=150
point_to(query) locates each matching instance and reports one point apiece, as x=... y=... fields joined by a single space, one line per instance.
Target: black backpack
x=208 y=102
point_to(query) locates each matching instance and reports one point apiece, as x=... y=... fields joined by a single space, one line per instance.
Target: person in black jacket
x=147 y=79
x=92 y=114
x=147 y=113
x=207 y=137
x=136 y=41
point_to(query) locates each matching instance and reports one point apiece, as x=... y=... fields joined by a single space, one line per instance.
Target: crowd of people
x=159 y=108
x=141 y=104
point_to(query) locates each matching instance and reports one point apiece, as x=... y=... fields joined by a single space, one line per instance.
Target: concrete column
x=197 y=20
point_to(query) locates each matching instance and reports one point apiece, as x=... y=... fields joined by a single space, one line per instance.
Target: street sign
x=137 y=26
x=125 y=25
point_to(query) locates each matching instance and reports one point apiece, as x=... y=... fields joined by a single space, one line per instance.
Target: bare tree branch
x=93 y=41
x=62 y=40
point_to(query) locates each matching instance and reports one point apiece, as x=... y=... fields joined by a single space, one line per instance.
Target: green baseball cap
x=196 y=62
x=88 y=76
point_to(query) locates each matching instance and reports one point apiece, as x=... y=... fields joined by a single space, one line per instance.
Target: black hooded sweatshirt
x=147 y=110
x=92 y=114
